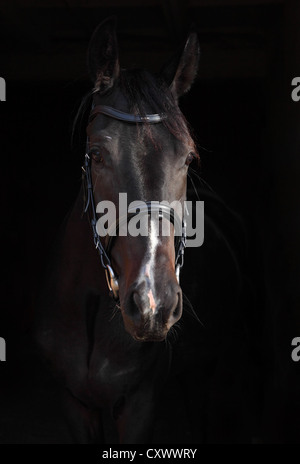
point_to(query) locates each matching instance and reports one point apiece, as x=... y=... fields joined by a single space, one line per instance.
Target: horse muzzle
x=149 y=316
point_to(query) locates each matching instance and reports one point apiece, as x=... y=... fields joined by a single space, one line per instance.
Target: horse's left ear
x=102 y=56
x=181 y=71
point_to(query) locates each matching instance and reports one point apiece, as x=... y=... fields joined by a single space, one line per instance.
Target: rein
x=146 y=208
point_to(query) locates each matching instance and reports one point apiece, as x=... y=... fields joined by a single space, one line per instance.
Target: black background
x=244 y=118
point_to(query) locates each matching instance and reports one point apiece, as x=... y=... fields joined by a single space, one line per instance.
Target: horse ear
x=181 y=71
x=102 y=56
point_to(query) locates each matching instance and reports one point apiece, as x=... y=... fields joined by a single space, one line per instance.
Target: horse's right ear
x=102 y=56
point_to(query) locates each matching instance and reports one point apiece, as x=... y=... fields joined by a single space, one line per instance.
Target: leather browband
x=127 y=117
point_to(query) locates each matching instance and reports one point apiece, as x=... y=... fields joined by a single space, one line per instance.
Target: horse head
x=130 y=152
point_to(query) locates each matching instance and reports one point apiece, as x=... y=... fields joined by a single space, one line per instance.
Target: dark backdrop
x=248 y=131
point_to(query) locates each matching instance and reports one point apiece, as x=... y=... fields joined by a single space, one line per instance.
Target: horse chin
x=149 y=337
x=141 y=334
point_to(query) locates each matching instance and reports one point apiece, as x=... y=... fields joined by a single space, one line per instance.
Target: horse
x=111 y=322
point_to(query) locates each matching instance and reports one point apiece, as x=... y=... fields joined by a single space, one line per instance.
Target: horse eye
x=96 y=155
x=190 y=158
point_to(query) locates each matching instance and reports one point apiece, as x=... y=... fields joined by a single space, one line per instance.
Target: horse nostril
x=135 y=306
x=176 y=314
x=137 y=300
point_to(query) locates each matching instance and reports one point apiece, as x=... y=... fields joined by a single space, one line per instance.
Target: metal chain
x=180 y=253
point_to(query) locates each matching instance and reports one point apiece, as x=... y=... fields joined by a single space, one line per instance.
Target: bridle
x=147 y=208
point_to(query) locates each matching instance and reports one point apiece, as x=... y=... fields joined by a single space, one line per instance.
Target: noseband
x=146 y=208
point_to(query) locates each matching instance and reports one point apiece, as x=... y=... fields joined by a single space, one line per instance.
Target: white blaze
x=148 y=269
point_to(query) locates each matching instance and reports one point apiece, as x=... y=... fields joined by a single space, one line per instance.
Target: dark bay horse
x=113 y=356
